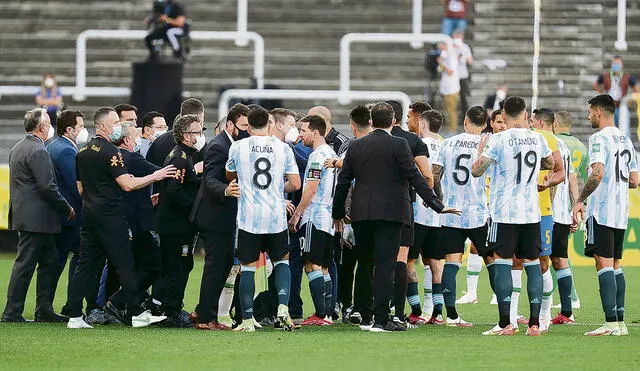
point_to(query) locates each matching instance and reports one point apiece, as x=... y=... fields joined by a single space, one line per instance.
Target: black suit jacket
x=138 y=208
x=212 y=210
x=383 y=167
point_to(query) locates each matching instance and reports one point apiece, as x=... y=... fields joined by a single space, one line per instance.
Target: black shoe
x=355 y=318
x=388 y=327
x=176 y=322
x=114 y=313
x=155 y=309
x=64 y=311
x=98 y=317
x=50 y=317
x=267 y=322
x=18 y=319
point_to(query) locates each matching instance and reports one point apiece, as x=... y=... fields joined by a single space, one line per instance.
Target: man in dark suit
x=214 y=213
x=383 y=168
x=63 y=151
x=35 y=207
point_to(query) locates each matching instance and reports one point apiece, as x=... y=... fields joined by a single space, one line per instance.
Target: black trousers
x=177 y=263
x=147 y=258
x=67 y=241
x=34 y=249
x=218 y=261
x=465 y=93
x=104 y=236
x=169 y=34
x=378 y=245
x=347 y=266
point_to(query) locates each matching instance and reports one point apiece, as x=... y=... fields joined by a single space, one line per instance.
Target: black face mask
x=241 y=134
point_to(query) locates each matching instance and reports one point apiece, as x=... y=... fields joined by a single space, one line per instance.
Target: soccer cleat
x=247 y=325
x=193 y=317
x=406 y=324
x=77 y=323
x=545 y=323
x=609 y=328
x=436 y=320
x=575 y=304
x=499 y=331
x=114 y=314
x=328 y=319
x=391 y=326
x=417 y=320
x=346 y=314
x=212 y=326
x=467 y=299
x=366 y=326
x=533 y=331
x=522 y=320
x=315 y=321
x=355 y=318
x=267 y=322
x=97 y=317
x=283 y=319
x=624 y=331
x=563 y=320
x=145 y=319
x=494 y=300
x=458 y=322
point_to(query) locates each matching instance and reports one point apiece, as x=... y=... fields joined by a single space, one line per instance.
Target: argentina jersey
x=261 y=163
x=422 y=214
x=561 y=201
x=319 y=211
x=460 y=190
x=517 y=154
x=609 y=203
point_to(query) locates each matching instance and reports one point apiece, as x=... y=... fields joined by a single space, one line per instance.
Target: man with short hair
x=35 y=207
x=63 y=150
x=413 y=116
x=153 y=126
x=452 y=170
x=127 y=112
x=260 y=164
x=613 y=171
x=449 y=85
x=517 y=154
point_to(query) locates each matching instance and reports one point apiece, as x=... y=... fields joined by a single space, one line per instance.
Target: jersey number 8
x=262 y=167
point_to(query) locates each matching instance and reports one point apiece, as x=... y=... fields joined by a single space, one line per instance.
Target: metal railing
x=621 y=43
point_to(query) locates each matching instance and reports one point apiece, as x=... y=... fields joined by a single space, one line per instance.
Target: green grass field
x=52 y=346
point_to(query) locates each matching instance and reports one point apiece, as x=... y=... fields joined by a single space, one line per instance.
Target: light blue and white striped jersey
x=422 y=214
x=261 y=163
x=609 y=203
x=561 y=202
x=319 y=211
x=517 y=154
x=460 y=190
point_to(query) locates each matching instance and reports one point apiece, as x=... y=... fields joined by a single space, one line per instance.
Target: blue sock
x=608 y=292
x=413 y=298
x=247 y=290
x=534 y=291
x=491 y=269
x=438 y=299
x=449 y=288
x=503 y=286
x=282 y=278
x=316 y=287
x=565 y=283
x=328 y=288
x=621 y=287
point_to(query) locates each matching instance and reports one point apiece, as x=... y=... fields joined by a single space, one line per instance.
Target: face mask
x=457 y=42
x=116 y=133
x=51 y=132
x=199 y=144
x=83 y=137
x=136 y=147
x=48 y=82
x=157 y=133
x=501 y=94
x=241 y=135
x=616 y=67
x=292 y=135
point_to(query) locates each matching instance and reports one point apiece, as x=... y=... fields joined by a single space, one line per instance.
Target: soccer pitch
x=53 y=346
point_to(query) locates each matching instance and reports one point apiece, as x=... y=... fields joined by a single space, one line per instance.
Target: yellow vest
x=545 y=196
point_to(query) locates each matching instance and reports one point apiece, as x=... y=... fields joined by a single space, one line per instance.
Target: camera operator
x=168 y=23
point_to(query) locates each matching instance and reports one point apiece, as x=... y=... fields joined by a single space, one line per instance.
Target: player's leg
x=432 y=250
x=277 y=246
x=621 y=284
x=249 y=247
x=575 y=299
x=412 y=286
x=328 y=294
x=546 y=239
x=560 y=261
x=474 y=266
x=516 y=281
x=400 y=280
x=315 y=275
x=453 y=249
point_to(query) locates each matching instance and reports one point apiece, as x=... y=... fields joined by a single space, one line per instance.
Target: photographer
x=168 y=23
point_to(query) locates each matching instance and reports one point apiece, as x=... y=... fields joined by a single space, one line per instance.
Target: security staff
x=102 y=178
x=177 y=233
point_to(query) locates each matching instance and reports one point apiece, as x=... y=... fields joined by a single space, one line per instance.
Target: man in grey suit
x=34 y=211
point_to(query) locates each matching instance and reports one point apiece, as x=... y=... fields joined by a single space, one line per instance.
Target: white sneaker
x=494 y=300
x=499 y=331
x=248 y=325
x=256 y=324
x=458 y=322
x=544 y=325
x=77 y=322
x=467 y=299
x=366 y=326
x=609 y=328
x=624 y=331
x=329 y=319
x=284 y=319
x=145 y=319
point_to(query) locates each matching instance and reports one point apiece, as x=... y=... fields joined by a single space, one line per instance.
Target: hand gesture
x=483 y=142
x=450 y=210
x=545 y=183
x=199 y=167
x=168 y=171
x=290 y=208
x=338 y=224
x=72 y=214
x=331 y=163
x=233 y=189
x=577 y=212
x=293 y=222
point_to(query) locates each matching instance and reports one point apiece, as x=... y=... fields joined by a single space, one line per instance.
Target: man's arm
x=597 y=172
x=557 y=176
x=345 y=179
x=423 y=165
x=573 y=188
x=308 y=193
x=214 y=166
x=437 y=176
x=293 y=183
x=80 y=187
x=67 y=168
x=480 y=166
x=406 y=163
x=633 y=180
x=41 y=167
x=130 y=183
x=548 y=163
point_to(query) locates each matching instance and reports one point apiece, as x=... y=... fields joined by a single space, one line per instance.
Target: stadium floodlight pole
x=242 y=22
x=227 y=95
x=416 y=23
x=381 y=38
x=81 y=90
x=621 y=43
x=536 y=54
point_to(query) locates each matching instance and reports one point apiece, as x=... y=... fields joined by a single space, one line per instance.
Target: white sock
x=76 y=319
x=474 y=265
x=547 y=295
x=516 y=278
x=226 y=297
x=428 y=300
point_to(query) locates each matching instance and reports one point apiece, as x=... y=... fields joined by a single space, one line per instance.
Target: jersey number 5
x=461 y=180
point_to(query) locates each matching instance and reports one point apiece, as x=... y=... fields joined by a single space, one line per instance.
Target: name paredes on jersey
x=522 y=141
x=466 y=144
x=261 y=149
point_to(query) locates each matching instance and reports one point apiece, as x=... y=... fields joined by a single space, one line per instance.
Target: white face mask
x=136 y=147
x=83 y=137
x=292 y=135
x=51 y=132
x=157 y=133
x=457 y=41
x=501 y=94
x=199 y=144
x=48 y=82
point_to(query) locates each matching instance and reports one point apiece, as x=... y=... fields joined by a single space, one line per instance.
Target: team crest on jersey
x=595 y=147
x=185 y=250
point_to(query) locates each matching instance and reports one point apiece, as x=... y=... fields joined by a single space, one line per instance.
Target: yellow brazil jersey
x=545 y=196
